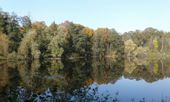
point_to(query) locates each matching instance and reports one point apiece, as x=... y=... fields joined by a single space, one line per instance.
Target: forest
x=21 y=39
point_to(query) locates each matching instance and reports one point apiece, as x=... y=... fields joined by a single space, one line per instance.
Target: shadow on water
x=76 y=80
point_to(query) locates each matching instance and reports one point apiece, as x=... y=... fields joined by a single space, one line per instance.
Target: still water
x=83 y=80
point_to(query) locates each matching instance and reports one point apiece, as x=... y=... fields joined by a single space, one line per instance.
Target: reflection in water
x=150 y=71
x=85 y=80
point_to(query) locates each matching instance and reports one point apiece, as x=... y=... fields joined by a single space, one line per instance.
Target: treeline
x=150 y=43
x=20 y=38
x=23 y=39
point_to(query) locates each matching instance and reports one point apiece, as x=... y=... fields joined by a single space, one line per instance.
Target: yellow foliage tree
x=29 y=42
x=88 y=31
x=38 y=25
x=3 y=44
x=155 y=43
x=130 y=46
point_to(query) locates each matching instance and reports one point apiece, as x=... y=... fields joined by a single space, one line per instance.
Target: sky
x=122 y=15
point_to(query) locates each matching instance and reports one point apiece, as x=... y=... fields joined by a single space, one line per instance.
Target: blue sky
x=123 y=15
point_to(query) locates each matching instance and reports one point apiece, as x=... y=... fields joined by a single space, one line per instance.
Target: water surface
x=85 y=80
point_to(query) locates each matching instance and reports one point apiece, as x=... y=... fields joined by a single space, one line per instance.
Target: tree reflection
x=70 y=80
x=149 y=70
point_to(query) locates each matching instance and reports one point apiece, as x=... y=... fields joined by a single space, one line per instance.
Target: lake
x=85 y=80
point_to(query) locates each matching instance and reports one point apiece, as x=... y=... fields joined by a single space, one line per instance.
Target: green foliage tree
x=105 y=42
x=43 y=38
x=26 y=24
x=56 y=44
x=9 y=25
